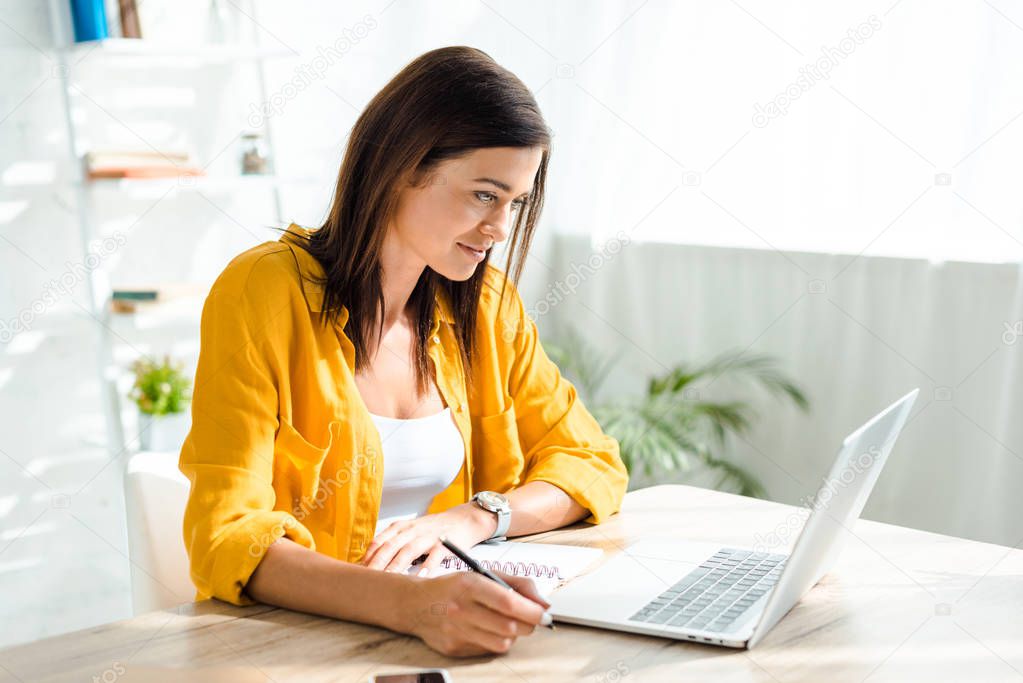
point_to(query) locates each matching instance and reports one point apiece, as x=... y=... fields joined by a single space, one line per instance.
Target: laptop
x=730 y=596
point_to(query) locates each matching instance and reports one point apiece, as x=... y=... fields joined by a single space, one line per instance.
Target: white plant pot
x=163 y=432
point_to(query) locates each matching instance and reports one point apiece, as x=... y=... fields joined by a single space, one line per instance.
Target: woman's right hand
x=465 y=614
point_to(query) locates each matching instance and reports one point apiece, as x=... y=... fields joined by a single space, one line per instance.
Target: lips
x=474 y=247
x=476 y=255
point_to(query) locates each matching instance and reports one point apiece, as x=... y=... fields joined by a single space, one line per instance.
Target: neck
x=400 y=270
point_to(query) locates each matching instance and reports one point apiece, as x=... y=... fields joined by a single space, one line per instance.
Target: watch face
x=492 y=500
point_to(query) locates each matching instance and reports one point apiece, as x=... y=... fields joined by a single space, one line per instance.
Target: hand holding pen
x=473 y=565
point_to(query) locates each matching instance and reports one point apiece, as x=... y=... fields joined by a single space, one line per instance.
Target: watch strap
x=503 y=521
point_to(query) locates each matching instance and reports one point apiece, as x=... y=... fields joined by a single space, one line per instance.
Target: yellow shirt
x=282 y=444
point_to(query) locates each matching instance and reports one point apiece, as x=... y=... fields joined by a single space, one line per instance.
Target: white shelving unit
x=68 y=54
x=203 y=183
x=143 y=49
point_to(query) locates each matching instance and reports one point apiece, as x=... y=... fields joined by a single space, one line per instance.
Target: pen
x=479 y=569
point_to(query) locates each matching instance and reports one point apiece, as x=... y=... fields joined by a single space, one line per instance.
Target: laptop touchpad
x=631 y=578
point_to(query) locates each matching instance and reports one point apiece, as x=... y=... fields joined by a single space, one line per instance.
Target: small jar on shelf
x=255 y=155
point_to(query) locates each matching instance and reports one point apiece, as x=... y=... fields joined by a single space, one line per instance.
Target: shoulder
x=504 y=317
x=492 y=304
x=261 y=279
x=253 y=267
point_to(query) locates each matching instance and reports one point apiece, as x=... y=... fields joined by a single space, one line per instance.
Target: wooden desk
x=901 y=605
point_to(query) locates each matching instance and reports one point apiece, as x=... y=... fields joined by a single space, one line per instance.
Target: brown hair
x=442 y=105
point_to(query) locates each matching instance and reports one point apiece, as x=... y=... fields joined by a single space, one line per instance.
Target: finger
x=437 y=554
x=508 y=602
x=525 y=586
x=386 y=552
x=371 y=552
x=413 y=549
x=505 y=627
x=485 y=639
x=389 y=532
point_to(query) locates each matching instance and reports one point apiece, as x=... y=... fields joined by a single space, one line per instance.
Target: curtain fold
x=885 y=326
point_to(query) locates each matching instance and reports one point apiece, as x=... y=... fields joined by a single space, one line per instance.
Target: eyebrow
x=497 y=183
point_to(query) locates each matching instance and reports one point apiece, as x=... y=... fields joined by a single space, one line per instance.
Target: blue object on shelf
x=90 y=20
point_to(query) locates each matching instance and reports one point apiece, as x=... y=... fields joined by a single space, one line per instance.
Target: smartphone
x=424 y=676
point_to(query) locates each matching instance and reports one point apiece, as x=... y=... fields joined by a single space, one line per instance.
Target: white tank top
x=422 y=456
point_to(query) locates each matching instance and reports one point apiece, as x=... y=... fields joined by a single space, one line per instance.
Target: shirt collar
x=311 y=273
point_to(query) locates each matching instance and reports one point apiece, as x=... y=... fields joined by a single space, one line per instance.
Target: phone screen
x=415 y=677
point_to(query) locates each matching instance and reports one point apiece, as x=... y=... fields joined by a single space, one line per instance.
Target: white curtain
x=883 y=328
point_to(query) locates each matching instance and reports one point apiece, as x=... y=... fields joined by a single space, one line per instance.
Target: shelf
x=209 y=183
x=151 y=59
x=146 y=49
x=182 y=305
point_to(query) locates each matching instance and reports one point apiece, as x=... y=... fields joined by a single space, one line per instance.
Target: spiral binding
x=532 y=569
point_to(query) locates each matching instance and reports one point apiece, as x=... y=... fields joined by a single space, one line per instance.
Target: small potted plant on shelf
x=674 y=424
x=161 y=394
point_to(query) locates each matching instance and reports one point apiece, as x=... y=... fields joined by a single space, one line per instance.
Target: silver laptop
x=733 y=596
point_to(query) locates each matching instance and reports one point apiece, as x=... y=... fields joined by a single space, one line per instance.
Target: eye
x=488 y=199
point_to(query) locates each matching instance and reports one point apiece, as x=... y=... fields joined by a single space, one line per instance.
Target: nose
x=497 y=224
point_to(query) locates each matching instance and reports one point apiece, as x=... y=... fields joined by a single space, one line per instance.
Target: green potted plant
x=161 y=392
x=674 y=425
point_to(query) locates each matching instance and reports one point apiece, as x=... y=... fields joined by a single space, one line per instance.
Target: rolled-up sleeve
x=562 y=442
x=230 y=519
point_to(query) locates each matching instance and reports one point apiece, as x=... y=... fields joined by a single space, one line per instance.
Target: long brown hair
x=442 y=105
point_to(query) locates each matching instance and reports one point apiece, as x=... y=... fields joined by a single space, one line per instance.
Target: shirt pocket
x=497 y=459
x=297 y=466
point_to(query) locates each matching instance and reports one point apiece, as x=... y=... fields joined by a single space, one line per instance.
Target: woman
x=367 y=387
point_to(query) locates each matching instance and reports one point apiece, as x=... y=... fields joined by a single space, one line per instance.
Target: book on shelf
x=106 y=164
x=128 y=19
x=128 y=299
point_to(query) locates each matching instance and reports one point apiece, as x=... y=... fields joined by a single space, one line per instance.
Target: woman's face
x=463 y=207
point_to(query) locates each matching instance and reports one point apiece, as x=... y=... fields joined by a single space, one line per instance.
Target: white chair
x=155 y=493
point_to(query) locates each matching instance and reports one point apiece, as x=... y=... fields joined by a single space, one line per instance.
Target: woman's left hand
x=403 y=541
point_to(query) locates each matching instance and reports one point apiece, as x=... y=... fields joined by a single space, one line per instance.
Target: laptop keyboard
x=715 y=594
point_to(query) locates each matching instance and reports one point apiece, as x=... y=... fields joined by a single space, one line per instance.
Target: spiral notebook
x=549 y=565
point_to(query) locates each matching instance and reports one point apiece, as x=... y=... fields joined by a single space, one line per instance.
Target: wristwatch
x=492 y=501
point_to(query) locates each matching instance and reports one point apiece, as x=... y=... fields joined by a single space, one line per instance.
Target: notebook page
x=555 y=564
